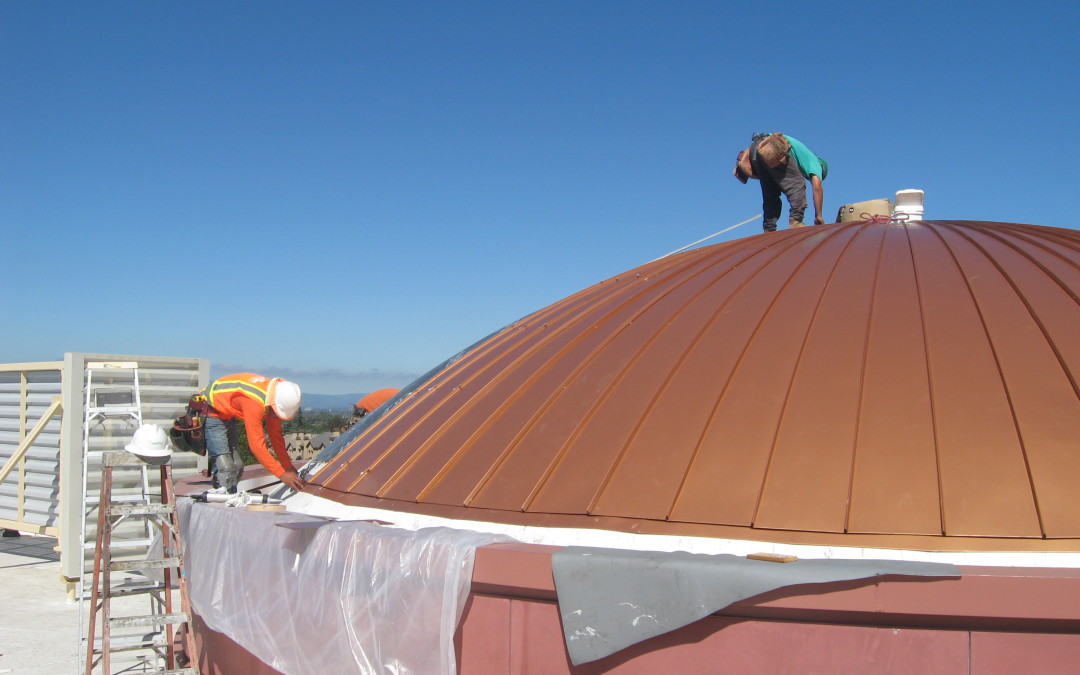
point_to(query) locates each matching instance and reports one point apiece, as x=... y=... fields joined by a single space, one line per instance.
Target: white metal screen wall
x=29 y=495
x=165 y=384
x=43 y=492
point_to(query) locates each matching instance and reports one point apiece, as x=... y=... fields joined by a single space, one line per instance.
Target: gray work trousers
x=787 y=179
x=226 y=466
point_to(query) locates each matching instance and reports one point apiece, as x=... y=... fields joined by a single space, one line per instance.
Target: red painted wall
x=524 y=637
x=991 y=621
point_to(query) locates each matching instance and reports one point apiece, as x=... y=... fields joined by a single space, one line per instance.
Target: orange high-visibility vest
x=222 y=392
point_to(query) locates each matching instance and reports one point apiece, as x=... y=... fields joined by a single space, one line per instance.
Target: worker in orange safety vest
x=255 y=400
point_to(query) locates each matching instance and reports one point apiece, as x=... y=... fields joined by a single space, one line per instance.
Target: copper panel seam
x=984 y=449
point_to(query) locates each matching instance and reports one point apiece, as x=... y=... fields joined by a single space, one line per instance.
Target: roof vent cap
x=909 y=203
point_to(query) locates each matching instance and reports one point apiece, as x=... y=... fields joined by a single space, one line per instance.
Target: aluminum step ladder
x=113 y=402
x=162 y=641
x=112 y=411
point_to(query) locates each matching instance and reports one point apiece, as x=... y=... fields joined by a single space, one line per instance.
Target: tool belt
x=187 y=432
x=774 y=149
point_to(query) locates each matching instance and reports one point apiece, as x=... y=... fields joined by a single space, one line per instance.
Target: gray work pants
x=787 y=179
x=226 y=466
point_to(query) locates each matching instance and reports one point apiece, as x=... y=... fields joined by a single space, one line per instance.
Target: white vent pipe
x=909 y=203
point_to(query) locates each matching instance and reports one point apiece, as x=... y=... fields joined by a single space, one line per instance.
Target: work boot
x=228 y=470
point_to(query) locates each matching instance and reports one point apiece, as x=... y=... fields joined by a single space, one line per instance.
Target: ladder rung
x=132 y=581
x=130 y=643
x=126 y=591
x=107 y=366
x=116 y=545
x=113 y=411
x=101 y=414
x=122 y=499
x=140 y=509
x=129 y=565
x=148 y=620
x=127 y=499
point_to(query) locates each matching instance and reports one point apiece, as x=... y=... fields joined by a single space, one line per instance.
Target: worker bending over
x=373 y=400
x=255 y=400
x=782 y=164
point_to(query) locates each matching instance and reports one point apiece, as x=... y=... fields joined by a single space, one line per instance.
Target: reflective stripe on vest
x=229 y=386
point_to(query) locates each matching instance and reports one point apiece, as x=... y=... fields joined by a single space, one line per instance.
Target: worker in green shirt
x=769 y=160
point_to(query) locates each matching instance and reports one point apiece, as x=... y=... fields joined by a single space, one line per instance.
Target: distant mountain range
x=332 y=402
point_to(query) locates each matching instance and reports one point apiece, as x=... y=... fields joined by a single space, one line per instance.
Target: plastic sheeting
x=610 y=599
x=340 y=597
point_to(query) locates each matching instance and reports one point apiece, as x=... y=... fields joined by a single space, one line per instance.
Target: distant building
x=304 y=446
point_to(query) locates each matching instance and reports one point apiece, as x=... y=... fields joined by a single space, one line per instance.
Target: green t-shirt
x=809 y=163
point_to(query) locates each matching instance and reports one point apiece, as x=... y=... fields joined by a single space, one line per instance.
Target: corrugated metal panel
x=28 y=496
x=863 y=384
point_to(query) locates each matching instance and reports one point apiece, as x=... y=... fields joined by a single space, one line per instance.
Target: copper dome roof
x=904 y=386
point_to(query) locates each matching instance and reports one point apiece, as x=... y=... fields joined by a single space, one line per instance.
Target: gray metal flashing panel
x=610 y=599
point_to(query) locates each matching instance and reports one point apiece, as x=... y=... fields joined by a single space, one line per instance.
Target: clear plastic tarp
x=306 y=595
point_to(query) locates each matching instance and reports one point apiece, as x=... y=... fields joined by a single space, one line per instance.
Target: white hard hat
x=150 y=444
x=284 y=398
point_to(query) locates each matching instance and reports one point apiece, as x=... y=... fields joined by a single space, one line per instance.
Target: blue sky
x=347 y=193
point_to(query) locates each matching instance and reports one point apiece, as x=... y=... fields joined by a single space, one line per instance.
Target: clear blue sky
x=347 y=193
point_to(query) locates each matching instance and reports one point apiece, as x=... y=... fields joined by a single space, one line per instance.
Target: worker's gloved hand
x=291 y=479
x=819 y=220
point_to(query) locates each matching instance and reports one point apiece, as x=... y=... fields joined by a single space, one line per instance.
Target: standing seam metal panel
x=901 y=380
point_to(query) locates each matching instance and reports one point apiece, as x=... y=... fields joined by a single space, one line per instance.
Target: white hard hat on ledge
x=150 y=444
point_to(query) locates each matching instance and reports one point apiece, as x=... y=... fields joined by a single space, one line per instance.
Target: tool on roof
x=244 y=498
